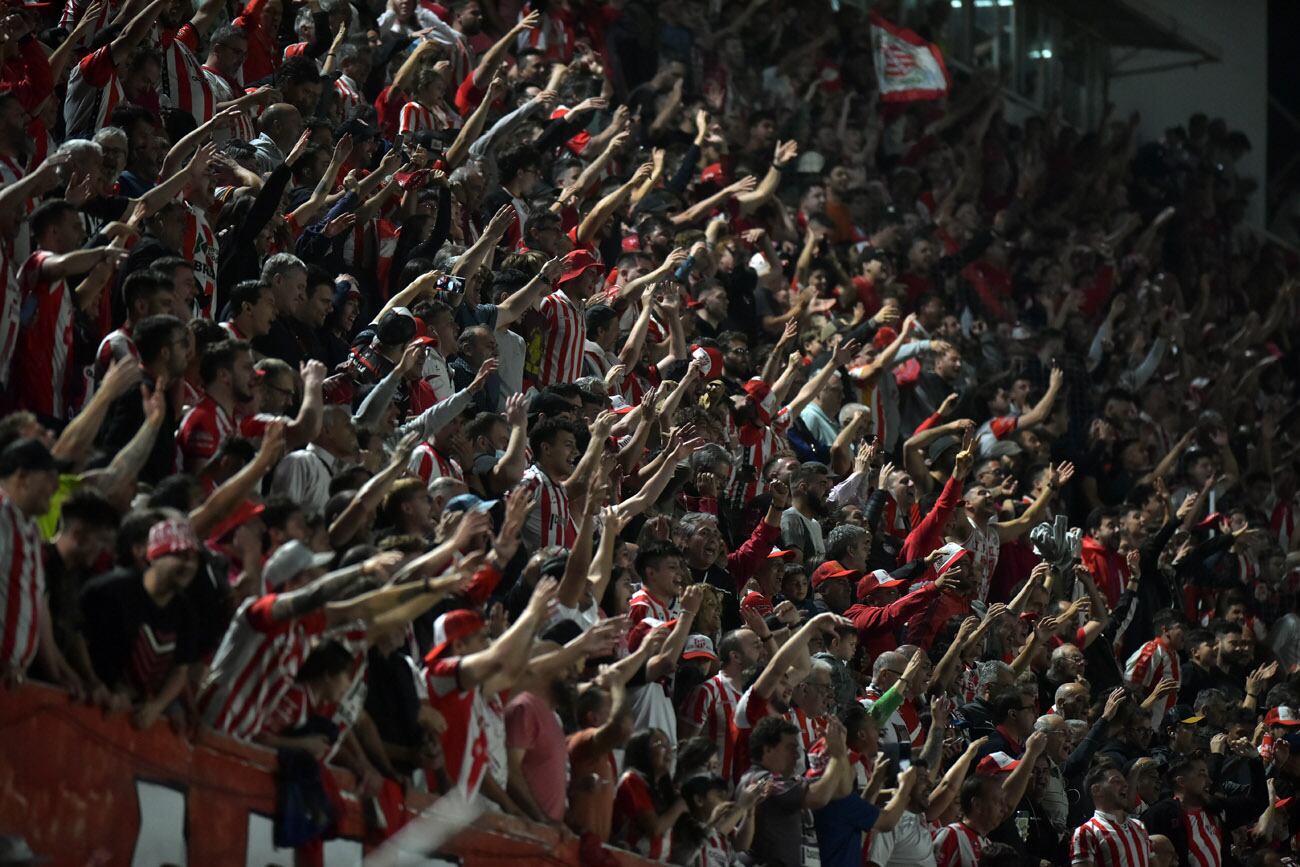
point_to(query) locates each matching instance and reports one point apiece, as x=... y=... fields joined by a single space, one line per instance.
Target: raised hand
x=486 y=369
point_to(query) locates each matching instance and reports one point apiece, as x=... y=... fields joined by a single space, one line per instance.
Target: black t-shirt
x=132 y=641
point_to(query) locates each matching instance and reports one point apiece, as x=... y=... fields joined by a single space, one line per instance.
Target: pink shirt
x=532 y=726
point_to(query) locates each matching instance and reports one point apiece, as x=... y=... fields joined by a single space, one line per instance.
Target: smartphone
x=448 y=283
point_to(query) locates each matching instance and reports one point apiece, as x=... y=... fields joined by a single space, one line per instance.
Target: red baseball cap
x=172 y=536
x=452 y=626
x=831 y=570
x=714 y=357
x=1282 y=716
x=996 y=763
x=876 y=580
x=780 y=553
x=952 y=555
x=575 y=263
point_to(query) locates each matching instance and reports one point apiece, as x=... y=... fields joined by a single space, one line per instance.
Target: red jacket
x=878 y=625
x=1108 y=569
x=743 y=562
x=926 y=536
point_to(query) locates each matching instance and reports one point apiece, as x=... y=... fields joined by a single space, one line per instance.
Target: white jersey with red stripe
x=22 y=572
x=199 y=245
x=811 y=729
x=550 y=522
x=958 y=845
x=985 y=547
x=1106 y=840
x=93 y=92
x=183 y=85
x=12 y=171
x=225 y=90
x=418 y=117
x=716 y=850
x=47 y=318
x=348 y=92
x=1204 y=838
x=897 y=729
x=645 y=604
x=563 y=340
x=713 y=705
x=465 y=741
x=255 y=666
x=1150 y=664
x=115 y=346
x=430 y=465
x=766 y=445
x=595 y=360
x=551 y=36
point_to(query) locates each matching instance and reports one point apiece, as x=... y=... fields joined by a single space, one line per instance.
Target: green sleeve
x=883 y=708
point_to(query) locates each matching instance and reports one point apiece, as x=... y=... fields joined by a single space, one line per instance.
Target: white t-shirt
x=908 y=845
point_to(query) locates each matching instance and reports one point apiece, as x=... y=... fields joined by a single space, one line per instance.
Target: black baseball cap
x=28 y=455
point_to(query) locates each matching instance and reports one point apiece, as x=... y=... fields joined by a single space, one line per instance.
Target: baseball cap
x=469 y=503
x=952 y=555
x=1182 y=713
x=575 y=263
x=172 y=536
x=397 y=326
x=290 y=560
x=877 y=579
x=996 y=763
x=780 y=553
x=642 y=628
x=714 y=358
x=942 y=444
x=1282 y=716
x=699 y=647
x=28 y=455
x=452 y=626
x=831 y=570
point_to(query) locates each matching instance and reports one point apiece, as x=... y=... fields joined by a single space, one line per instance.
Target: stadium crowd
x=622 y=414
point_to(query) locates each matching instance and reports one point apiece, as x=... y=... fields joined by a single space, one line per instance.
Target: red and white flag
x=908 y=69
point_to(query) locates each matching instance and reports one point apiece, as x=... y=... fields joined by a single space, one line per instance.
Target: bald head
x=1162 y=851
x=282 y=123
x=1072 y=701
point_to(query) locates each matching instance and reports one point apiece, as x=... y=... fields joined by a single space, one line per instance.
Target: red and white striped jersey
x=985 y=547
x=552 y=35
x=255 y=666
x=73 y=10
x=1204 y=838
x=595 y=361
x=903 y=725
x=716 y=850
x=349 y=93
x=23 y=572
x=811 y=729
x=183 y=85
x=207 y=425
x=957 y=845
x=750 y=708
x=430 y=465
x=645 y=604
x=418 y=117
x=1107 y=841
x=465 y=742
x=93 y=92
x=44 y=341
x=199 y=245
x=11 y=309
x=631 y=799
x=11 y=171
x=713 y=704
x=562 y=342
x=225 y=90
x=1283 y=521
x=549 y=522
x=761 y=444
x=115 y=346
x=1150 y=664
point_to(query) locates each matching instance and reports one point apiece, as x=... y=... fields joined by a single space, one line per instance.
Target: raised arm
x=1011 y=530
